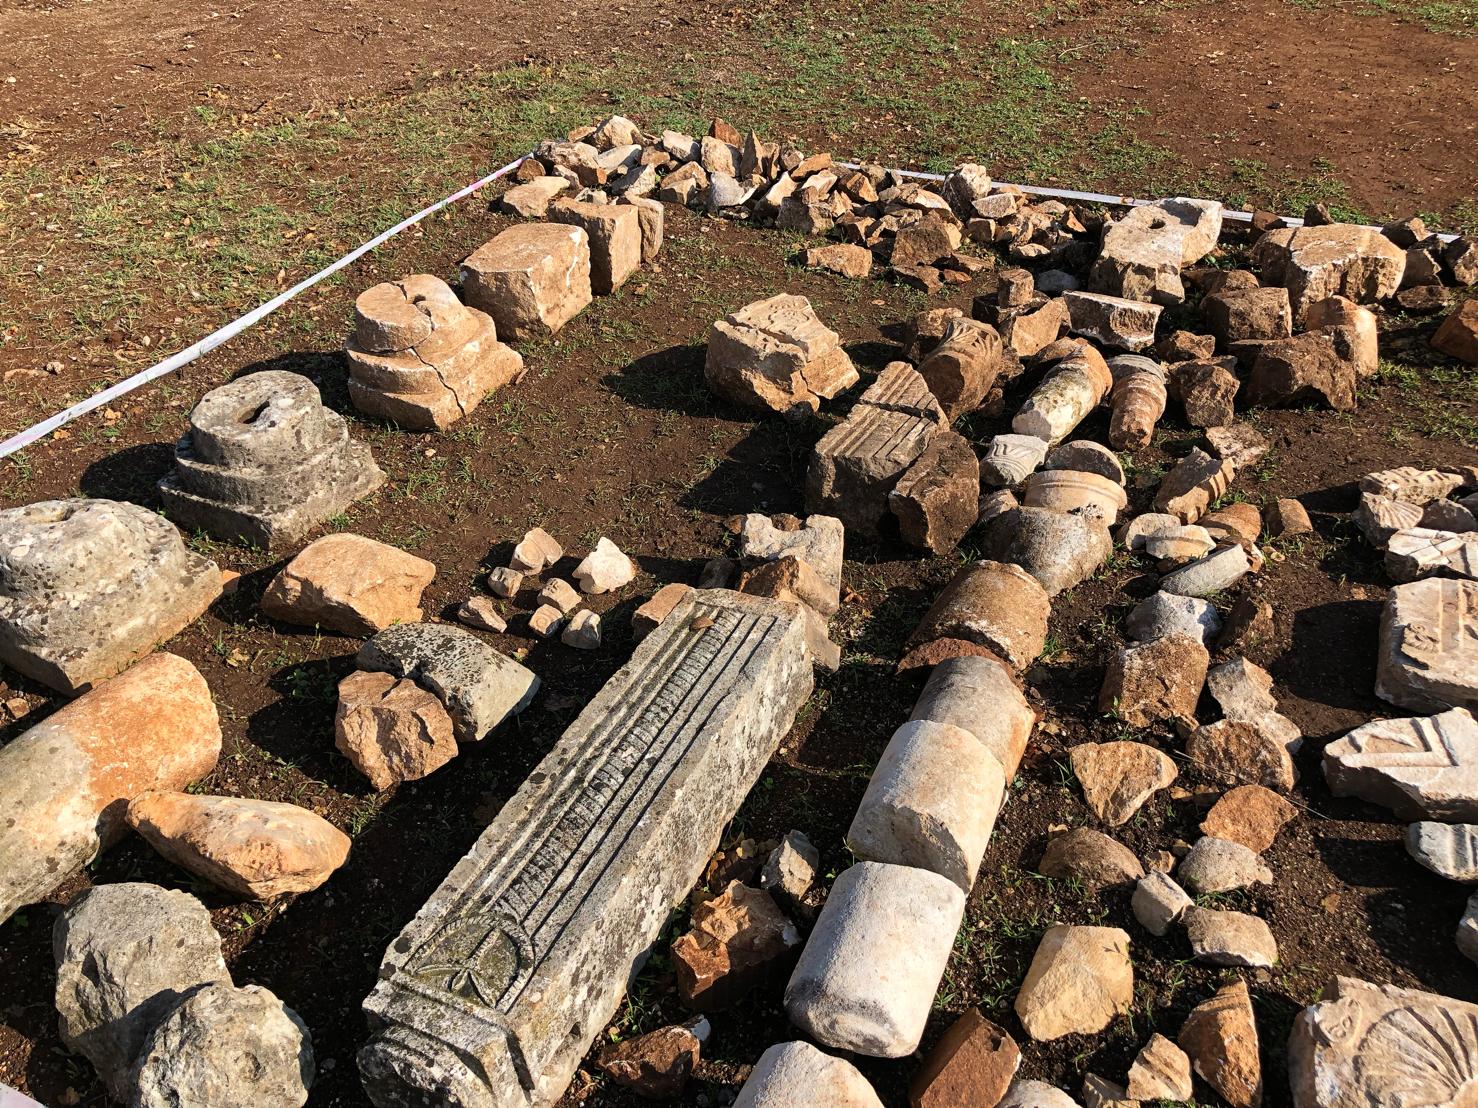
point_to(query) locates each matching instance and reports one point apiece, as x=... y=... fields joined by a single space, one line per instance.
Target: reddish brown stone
x=1250 y=815
x=737 y=939
x=1458 y=334
x=937 y=499
x=972 y=1064
x=656 y=1065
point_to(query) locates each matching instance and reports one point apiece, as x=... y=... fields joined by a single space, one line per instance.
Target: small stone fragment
x=583 y=631
x=1220 y=866
x=733 y=943
x=504 y=582
x=535 y=552
x=1250 y=815
x=1009 y=459
x=1206 y=390
x=1221 y=938
x=1091 y=857
x=1193 y=485
x=545 y=620
x=561 y=594
x=482 y=613
x=1080 y=979
x=605 y=569
x=1458 y=335
x=391 y=729
x=791 y=870
x=656 y=1065
x=349 y=584
x=1163 y=614
x=1238 y=445
x=1154 y=681
x=1119 y=777
x=1159 y=903
x=647 y=617
x=1240 y=752
x=973 y=1062
x=1099 y=1092
x=1161 y=1071
x=1220 y=1037
x=1036 y=1094
x=840 y=258
x=531 y=199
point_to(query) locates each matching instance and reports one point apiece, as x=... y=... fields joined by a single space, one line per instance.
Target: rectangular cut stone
x=493 y=992
x=856 y=464
x=1429 y=646
x=615 y=239
x=532 y=279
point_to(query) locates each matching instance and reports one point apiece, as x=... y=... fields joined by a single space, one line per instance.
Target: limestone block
x=963 y=368
x=867 y=976
x=89 y=586
x=1420 y=768
x=776 y=354
x=493 y=992
x=1119 y=777
x=1143 y=253
x=253 y=848
x=931 y=803
x=1079 y=980
x=859 y=462
x=1233 y=315
x=1458 y=335
x=1206 y=390
x=604 y=569
x=1417 y=552
x=226 y=1045
x=1059 y=549
x=65 y=782
x=1159 y=903
x=615 y=237
x=531 y=199
x=1429 y=645
x=532 y=279
x=1367 y=1044
x=349 y=584
x=1338 y=311
x=264 y=462
x=1314 y=367
x=979 y=695
x=1154 y=681
x=1340 y=259
x=1239 y=752
x=424 y=377
x=995 y=604
x=651 y=220
x=900 y=388
x=391 y=729
x=796 y=1074
x=479 y=687
x=126 y=954
x=937 y=500
x=1162 y=614
x=1112 y=321
x=1189 y=489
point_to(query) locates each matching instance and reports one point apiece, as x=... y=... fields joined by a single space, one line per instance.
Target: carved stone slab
x=1447 y=849
x=1419 y=768
x=493 y=992
x=1429 y=646
x=858 y=462
x=87 y=586
x=1371 y=1045
x=1423 y=552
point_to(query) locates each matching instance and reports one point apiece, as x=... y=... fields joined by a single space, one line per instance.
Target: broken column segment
x=777 y=354
x=153 y=726
x=87 y=586
x=1138 y=400
x=420 y=358
x=492 y=994
x=1072 y=388
x=995 y=604
x=1144 y=252
x=981 y=696
x=962 y=369
x=264 y=462
x=532 y=279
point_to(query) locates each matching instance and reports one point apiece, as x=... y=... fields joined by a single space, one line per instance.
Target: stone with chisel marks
x=1449 y=849
x=493 y=992
x=1429 y=646
x=1420 y=768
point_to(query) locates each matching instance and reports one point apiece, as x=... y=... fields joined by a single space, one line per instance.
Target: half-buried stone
x=424 y=376
x=65 y=782
x=264 y=462
x=479 y=687
x=88 y=586
x=792 y=1074
x=867 y=977
x=492 y=994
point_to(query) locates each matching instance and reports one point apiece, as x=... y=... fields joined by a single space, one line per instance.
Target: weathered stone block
x=995 y=604
x=349 y=584
x=776 y=354
x=532 y=279
x=1339 y=259
x=979 y=695
x=491 y=995
x=615 y=240
x=858 y=463
x=792 y=1074
x=1429 y=646
x=65 y=782
x=88 y=586
x=1421 y=768
x=264 y=462
x=1143 y=253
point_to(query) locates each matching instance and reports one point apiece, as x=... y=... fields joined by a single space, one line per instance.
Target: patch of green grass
x=1446 y=17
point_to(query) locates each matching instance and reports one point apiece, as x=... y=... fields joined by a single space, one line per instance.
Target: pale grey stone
x=126 y=955
x=1115 y=322
x=791 y=868
x=1220 y=865
x=1467 y=930
x=264 y=462
x=226 y=1046
x=1419 y=767
x=818 y=543
x=1230 y=939
x=1447 y=849
x=1035 y=1094
x=479 y=686
x=1143 y=252
x=867 y=977
x=1419 y=552
x=1429 y=646
x=980 y=696
x=1010 y=459
x=1216 y=572
x=491 y=995
x=931 y=803
x=88 y=586
x=1158 y=902
x=1244 y=690
x=1163 y=614
x=1059 y=549
x=1086 y=456
x=796 y=1074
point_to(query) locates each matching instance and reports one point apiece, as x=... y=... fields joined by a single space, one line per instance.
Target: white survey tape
x=231 y=330
x=215 y=338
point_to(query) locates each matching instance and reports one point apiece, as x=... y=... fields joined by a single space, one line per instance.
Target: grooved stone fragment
x=1410 y=484
x=1422 y=552
x=226 y=1045
x=931 y=803
x=479 y=687
x=391 y=729
x=995 y=604
x=1161 y=1071
x=264 y=462
x=857 y=464
x=1419 y=767
x=979 y=695
x=615 y=236
x=253 y=848
x=1010 y=459
x=349 y=584
x=1154 y=681
x=1079 y=980
x=126 y=954
x=1220 y=1037
x=962 y=369
x=1189 y=489
x=796 y=1074
x=1429 y=646
x=1339 y=259
x=867 y=977
x=89 y=586
x=1447 y=849
x=491 y=995
x=65 y=782
x=1118 y=777
x=532 y=279
x=1366 y=1044
x=777 y=354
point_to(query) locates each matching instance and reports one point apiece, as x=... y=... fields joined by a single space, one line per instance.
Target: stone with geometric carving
x=1447 y=849
x=1429 y=645
x=1420 y=768
x=1423 y=552
x=493 y=992
x=1371 y=1046
x=1410 y=484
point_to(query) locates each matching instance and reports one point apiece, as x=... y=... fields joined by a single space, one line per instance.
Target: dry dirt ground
x=613 y=432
